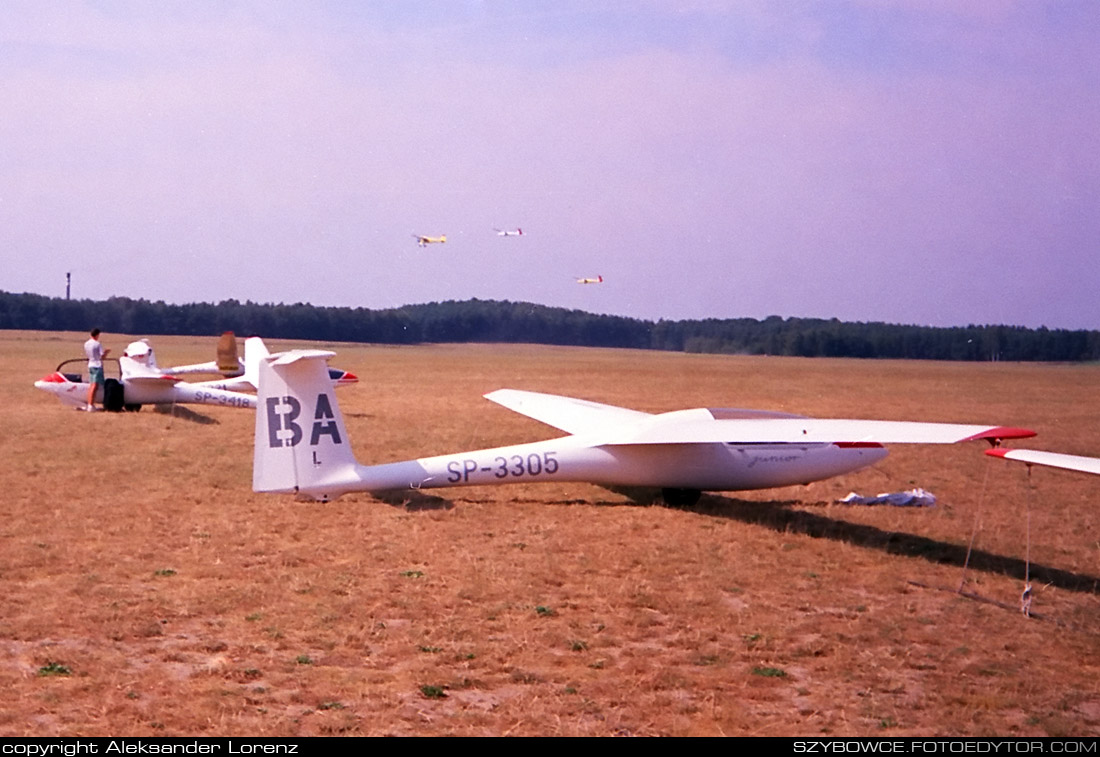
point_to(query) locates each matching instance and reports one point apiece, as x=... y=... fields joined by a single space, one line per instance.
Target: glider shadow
x=185 y=413
x=781 y=517
x=414 y=500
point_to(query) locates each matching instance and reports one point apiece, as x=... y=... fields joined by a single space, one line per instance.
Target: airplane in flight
x=425 y=241
x=597 y=280
x=1049 y=459
x=302 y=446
x=509 y=232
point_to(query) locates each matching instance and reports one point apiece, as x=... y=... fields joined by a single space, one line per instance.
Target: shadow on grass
x=185 y=413
x=781 y=517
x=413 y=500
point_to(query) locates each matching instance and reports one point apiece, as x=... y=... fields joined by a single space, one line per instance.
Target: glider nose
x=349 y=378
x=52 y=378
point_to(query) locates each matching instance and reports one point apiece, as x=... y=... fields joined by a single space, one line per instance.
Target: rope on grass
x=974 y=530
x=1025 y=596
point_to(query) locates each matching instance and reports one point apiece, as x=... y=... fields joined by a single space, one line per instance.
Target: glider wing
x=566 y=413
x=1050 y=459
x=699 y=427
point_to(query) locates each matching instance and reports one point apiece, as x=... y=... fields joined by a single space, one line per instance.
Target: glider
x=142 y=382
x=509 y=233
x=1049 y=459
x=301 y=444
x=139 y=385
x=597 y=280
x=227 y=363
x=255 y=351
x=425 y=241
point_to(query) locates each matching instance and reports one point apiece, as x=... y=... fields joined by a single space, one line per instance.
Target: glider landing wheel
x=131 y=408
x=680 y=497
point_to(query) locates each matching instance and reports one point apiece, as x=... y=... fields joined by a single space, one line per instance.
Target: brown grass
x=135 y=555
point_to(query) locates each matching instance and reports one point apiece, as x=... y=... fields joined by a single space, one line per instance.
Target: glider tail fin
x=301 y=442
x=226 y=352
x=254 y=353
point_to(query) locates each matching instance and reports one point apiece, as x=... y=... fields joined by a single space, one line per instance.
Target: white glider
x=1049 y=459
x=301 y=444
x=141 y=382
x=255 y=351
x=585 y=280
x=227 y=362
x=509 y=232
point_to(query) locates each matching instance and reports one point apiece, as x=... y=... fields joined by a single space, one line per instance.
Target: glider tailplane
x=301 y=442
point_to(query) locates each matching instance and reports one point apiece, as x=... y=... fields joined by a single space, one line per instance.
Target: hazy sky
x=931 y=162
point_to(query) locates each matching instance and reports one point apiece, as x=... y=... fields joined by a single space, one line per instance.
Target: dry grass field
x=145 y=590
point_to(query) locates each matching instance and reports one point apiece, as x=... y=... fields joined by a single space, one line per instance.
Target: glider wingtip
x=1002 y=432
x=998 y=452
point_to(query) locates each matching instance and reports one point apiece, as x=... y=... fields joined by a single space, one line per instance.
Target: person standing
x=95 y=352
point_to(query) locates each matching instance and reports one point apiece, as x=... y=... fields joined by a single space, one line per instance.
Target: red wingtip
x=997 y=452
x=1002 y=432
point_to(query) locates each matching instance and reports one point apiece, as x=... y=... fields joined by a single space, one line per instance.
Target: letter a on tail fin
x=301 y=440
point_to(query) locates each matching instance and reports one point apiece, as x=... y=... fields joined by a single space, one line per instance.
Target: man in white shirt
x=95 y=352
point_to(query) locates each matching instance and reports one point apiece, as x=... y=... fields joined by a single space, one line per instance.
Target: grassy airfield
x=145 y=590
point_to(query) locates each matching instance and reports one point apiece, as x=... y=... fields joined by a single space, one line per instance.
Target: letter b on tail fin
x=301 y=441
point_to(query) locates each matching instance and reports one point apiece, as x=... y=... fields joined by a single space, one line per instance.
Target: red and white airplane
x=509 y=232
x=141 y=382
x=425 y=241
x=1049 y=459
x=597 y=280
x=301 y=444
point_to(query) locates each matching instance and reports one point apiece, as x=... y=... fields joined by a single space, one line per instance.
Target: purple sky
x=931 y=162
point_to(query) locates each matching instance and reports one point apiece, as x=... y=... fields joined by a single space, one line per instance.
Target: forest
x=520 y=322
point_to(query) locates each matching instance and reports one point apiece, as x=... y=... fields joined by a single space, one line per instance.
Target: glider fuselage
x=146 y=391
x=713 y=467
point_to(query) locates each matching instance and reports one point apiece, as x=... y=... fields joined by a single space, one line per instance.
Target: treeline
x=493 y=321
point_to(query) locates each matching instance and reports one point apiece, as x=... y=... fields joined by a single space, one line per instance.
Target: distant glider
x=140 y=381
x=597 y=280
x=227 y=362
x=425 y=241
x=509 y=232
x=1049 y=459
x=302 y=446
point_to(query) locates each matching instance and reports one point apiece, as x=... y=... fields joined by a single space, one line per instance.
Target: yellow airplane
x=425 y=241
x=597 y=280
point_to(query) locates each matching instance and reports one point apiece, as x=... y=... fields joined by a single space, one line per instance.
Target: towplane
x=425 y=241
x=302 y=446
